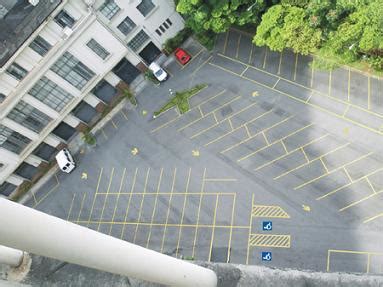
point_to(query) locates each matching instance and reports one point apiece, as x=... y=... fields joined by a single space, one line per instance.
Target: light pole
x=33 y=231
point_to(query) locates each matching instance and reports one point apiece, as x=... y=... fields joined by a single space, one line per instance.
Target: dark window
x=29 y=117
x=158 y=32
x=7 y=188
x=50 y=94
x=165 y=25
x=98 y=49
x=145 y=7
x=17 y=71
x=40 y=46
x=138 y=40
x=169 y=22
x=72 y=70
x=64 y=19
x=12 y=141
x=109 y=9
x=126 y=26
x=2 y=97
x=162 y=29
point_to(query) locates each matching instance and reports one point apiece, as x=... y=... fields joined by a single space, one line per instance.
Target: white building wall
x=105 y=32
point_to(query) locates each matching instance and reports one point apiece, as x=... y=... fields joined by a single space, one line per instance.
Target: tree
x=287 y=27
x=218 y=15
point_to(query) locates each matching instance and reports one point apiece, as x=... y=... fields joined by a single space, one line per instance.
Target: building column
x=39 y=233
x=10 y=256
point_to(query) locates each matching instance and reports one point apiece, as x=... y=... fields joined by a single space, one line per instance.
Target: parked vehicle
x=65 y=161
x=158 y=72
x=182 y=56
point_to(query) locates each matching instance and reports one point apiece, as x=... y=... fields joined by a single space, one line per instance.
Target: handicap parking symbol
x=266 y=256
x=267 y=225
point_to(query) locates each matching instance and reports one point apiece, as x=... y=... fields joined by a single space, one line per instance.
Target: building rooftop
x=18 y=20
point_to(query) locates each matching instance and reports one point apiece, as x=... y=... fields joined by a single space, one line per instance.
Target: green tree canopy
x=287 y=27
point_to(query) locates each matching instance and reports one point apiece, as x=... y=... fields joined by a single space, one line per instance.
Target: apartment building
x=60 y=65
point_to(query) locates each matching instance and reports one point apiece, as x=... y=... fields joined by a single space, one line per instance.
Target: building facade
x=61 y=63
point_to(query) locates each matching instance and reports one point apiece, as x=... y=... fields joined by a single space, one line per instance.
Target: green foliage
x=130 y=96
x=206 y=39
x=172 y=43
x=181 y=100
x=22 y=190
x=287 y=27
x=88 y=137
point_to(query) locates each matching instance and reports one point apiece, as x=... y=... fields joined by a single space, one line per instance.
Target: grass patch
x=150 y=76
x=181 y=100
x=88 y=137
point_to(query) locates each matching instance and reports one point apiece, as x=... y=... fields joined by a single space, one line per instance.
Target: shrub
x=172 y=43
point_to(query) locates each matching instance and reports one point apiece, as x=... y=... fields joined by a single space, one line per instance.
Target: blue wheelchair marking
x=267 y=225
x=266 y=256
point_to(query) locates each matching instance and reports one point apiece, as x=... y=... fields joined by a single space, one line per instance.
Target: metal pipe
x=27 y=229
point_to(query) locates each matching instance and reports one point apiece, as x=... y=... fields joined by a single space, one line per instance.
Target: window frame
x=98 y=49
x=14 y=70
x=60 y=20
x=144 y=5
x=137 y=40
x=107 y=11
x=40 y=45
x=12 y=140
x=126 y=26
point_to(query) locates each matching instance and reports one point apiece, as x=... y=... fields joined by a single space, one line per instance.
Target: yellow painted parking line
x=348 y=184
x=360 y=200
x=183 y=211
x=231 y=125
x=168 y=212
x=332 y=171
x=124 y=115
x=104 y=134
x=199 y=211
x=305 y=155
x=247 y=131
x=203 y=64
x=231 y=229
x=34 y=198
x=128 y=205
x=236 y=53
x=114 y=124
x=295 y=67
x=328 y=95
x=70 y=208
x=311 y=161
x=268 y=145
x=213 y=229
x=269 y=211
x=225 y=43
x=142 y=203
x=369 y=254
x=192 y=59
x=169 y=193
x=165 y=124
x=370 y=184
x=37 y=202
x=154 y=207
x=106 y=197
x=251 y=53
x=324 y=165
x=266 y=140
x=373 y=217
x=347 y=174
x=276 y=83
x=244 y=71
x=81 y=206
x=292 y=151
x=250 y=227
x=204 y=102
x=118 y=198
x=270 y=240
x=280 y=63
x=345 y=111
x=234 y=129
x=200 y=111
x=95 y=196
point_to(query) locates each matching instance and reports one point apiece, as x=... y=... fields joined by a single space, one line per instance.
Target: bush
x=129 y=95
x=172 y=43
x=206 y=39
x=150 y=76
x=88 y=137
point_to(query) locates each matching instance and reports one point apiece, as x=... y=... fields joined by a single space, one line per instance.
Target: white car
x=158 y=72
x=65 y=160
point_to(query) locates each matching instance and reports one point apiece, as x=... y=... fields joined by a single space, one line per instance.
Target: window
x=126 y=26
x=17 y=71
x=50 y=94
x=12 y=141
x=158 y=32
x=109 y=9
x=64 y=19
x=29 y=117
x=72 y=70
x=145 y=7
x=2 y=97
x=138 y=41
x=98 y=49
x=165 y=25
x=169 y=22
x=40 y=46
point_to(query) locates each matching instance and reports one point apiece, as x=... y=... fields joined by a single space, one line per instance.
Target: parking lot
x=268 y=140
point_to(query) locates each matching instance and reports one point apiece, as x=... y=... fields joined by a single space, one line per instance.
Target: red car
x=182 y=56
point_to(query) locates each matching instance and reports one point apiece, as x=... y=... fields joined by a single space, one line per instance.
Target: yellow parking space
x=371 y=262
x=269 y=211
x=270 y=240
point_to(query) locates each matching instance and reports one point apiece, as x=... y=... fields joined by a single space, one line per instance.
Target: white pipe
x=33 y=231
x=10 y=256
